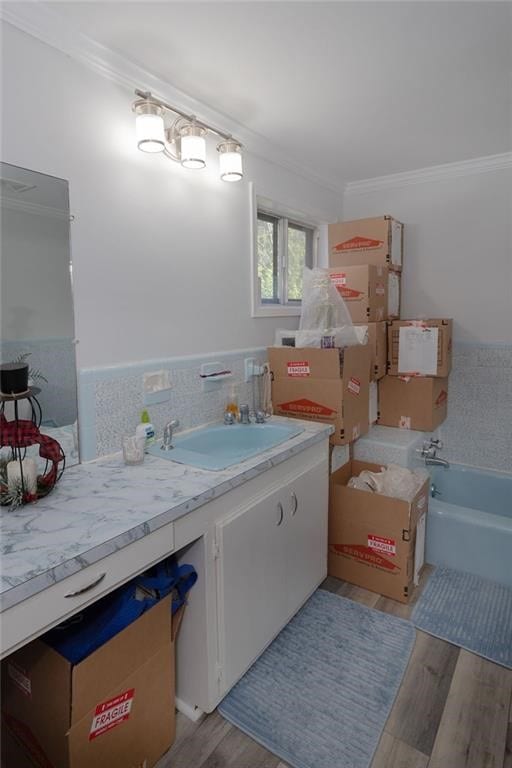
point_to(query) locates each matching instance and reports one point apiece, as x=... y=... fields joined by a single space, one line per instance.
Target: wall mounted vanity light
x=184 y=140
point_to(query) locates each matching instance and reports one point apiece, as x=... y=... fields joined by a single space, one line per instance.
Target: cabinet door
x=252 y=598
x=306 y=506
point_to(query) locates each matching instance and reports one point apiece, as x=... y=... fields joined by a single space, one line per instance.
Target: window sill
x=277 y=310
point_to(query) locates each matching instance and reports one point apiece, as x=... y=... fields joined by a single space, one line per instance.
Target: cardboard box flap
x=128 y=717
x=98 y=674
x=25 y=685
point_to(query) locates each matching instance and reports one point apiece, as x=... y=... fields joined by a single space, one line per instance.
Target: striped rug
x=467 y=611
x=320 y=694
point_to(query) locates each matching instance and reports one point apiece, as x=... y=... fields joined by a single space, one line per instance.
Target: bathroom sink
x=220 y=446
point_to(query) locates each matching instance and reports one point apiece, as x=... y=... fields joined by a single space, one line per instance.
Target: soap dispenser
x=146 y=428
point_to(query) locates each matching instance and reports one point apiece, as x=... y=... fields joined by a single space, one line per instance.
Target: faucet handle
x=438 y=443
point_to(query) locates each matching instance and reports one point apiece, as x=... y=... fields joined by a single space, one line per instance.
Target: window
x=283 y=247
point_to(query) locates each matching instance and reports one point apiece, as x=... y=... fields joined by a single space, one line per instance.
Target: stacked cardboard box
x=365 y=262
x=414 y=394
x=364 y=243
x=329 y=385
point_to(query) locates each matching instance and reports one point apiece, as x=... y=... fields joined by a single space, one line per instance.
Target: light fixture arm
x=148 y=96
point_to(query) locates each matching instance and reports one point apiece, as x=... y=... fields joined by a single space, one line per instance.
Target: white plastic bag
x=322 y=306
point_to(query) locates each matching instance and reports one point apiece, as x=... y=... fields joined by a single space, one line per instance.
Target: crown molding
x=49 y=27
x=13 y=204
x=435 y=173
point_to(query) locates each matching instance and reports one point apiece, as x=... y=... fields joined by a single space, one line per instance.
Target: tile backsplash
x=478 y=430
x=111 y=399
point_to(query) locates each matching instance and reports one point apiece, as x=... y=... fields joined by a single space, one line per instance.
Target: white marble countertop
x=102 y=506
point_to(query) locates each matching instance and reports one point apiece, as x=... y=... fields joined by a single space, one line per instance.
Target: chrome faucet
x=434 y=461
x=429 y=451
x=244 y=414
x=168 y=432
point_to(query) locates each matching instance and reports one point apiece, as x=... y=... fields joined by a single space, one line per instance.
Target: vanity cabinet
x=271 y=555
x=259 y=546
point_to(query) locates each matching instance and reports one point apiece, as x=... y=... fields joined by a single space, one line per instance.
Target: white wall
x=458 y=249
x=160 y=254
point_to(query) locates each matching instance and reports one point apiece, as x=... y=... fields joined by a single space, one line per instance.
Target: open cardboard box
x=372 y=538
x=114 y=708
x=329 y=385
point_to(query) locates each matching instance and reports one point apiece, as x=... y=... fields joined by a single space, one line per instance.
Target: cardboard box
x=378 y=240
x=413 y=402
x=115 y=708
x=420 y=347
x=378 y=343
x=394 y=294
x=329 y=385
x=372 y=538
x=373 y=406
x=364 y=289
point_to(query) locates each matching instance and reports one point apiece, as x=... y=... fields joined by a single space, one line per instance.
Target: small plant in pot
x=16 y=377
x=34 y=374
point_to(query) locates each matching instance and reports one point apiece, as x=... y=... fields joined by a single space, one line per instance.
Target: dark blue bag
x=79 y=636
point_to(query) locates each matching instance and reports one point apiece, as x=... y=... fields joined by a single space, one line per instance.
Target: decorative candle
x=14 y=470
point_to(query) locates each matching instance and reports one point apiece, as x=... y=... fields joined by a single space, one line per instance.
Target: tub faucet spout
x=434 y=461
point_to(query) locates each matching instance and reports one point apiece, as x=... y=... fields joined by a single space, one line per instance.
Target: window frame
x=285 y=217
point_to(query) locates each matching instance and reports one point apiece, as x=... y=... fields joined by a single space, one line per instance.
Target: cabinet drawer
x=37 y=614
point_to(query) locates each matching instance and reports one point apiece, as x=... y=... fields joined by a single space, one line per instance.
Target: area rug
x=468 y=611
x=320 y=694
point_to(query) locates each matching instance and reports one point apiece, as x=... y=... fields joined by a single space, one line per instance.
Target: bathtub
x=469 y=522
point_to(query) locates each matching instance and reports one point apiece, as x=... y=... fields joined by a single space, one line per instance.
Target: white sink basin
x=220 y=446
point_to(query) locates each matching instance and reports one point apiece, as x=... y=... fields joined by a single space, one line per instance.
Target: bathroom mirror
x=36 y=307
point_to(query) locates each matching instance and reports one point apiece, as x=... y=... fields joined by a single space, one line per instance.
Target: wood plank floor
x=453 y=710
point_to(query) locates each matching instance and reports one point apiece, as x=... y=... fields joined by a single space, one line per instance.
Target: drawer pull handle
x=87 y=587
x=295 y=503
x=281 y=513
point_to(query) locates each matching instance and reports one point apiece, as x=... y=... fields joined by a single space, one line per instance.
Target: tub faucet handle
x=438 y=443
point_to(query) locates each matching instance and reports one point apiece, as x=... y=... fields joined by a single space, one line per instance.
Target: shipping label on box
x=111 y=713
x=413 y=351
x=417 y=351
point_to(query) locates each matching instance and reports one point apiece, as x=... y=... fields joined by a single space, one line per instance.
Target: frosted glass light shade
x=230 y=161
x=149 y=127
x=193 y=146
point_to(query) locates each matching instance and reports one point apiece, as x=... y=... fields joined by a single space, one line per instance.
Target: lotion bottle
x=146 y=428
